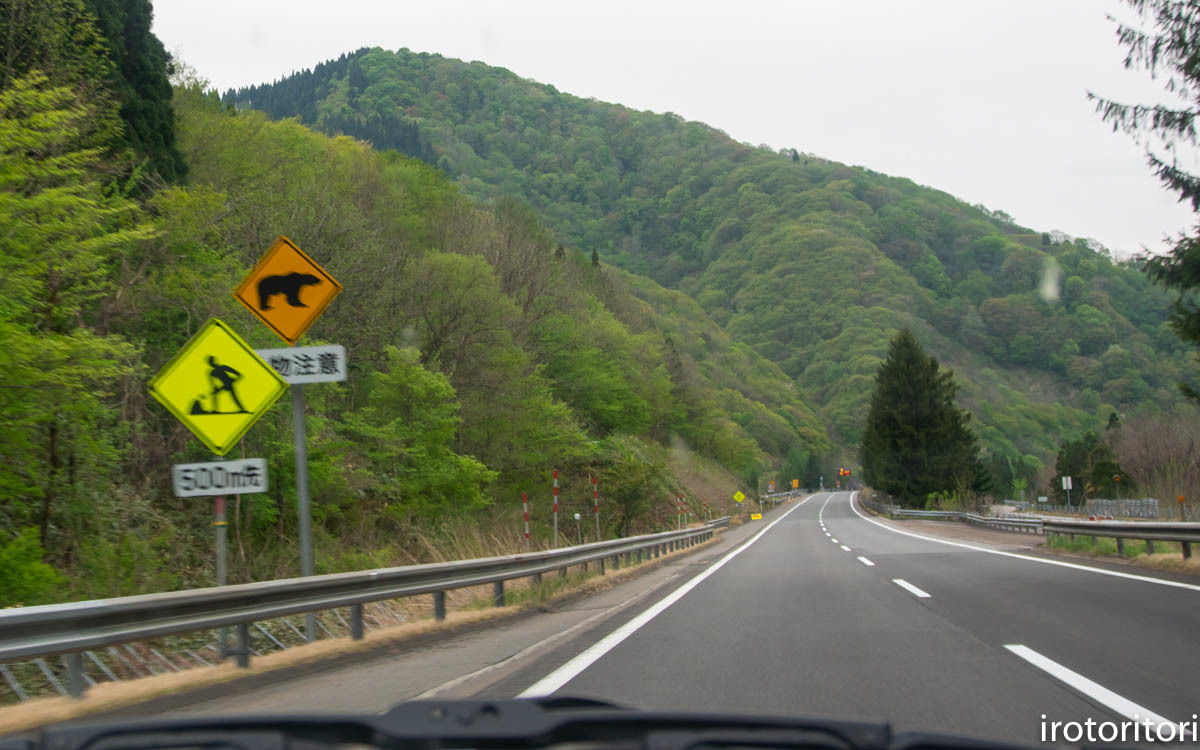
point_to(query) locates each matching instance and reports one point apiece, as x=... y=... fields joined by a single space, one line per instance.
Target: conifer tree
x=916 y=441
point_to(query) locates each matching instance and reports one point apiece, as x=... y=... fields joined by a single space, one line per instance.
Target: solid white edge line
x=910 y=588
x=845 y=548
x=865 y=561
x=1091 y=689
x=1003 y=553
x=572 y=668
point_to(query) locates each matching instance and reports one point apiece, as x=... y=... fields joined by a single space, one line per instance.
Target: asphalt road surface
x=822 y=611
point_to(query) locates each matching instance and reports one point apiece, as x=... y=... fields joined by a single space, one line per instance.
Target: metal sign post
x=301 y=448
x=556 y=509
x=222 y=527
x=218 y=479
x=288 y=291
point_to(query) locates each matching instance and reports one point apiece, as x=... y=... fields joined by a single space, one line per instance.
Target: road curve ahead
x=827 y=612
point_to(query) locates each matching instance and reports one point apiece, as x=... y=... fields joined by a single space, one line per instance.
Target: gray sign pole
x=222 y=527
x=306 y=551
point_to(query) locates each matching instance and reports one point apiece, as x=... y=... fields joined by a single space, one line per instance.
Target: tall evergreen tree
x=1170 y=45
x=141 y=67
x=916 y=440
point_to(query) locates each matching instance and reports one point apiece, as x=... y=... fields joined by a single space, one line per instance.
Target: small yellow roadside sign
x=756 y=516
x=217 y=386
x=795 y=484
x=738 y=496
x=287 y=290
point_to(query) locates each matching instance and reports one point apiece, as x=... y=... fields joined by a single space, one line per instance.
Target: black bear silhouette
x=288 y=285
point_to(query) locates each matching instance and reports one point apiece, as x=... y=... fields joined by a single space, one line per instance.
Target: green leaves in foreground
x=403 y=439
x=916 y=441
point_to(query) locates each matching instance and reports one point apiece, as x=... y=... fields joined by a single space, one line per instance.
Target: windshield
x=813 y=360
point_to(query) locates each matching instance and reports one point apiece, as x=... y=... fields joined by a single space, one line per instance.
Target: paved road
x=798 y=622
x=806 y=614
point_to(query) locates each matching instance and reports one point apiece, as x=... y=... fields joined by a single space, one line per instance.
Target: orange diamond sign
x=287 y=290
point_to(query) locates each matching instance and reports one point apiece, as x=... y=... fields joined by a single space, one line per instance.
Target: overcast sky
x=984 y=99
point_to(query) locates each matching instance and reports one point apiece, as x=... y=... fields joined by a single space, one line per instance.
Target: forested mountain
x=485 y=353
x=812 y=263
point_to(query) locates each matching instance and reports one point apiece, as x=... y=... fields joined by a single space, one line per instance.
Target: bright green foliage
x=24 y=578
x=917 y=441
x=402 y=441
x=63 y=231
x=635 y=480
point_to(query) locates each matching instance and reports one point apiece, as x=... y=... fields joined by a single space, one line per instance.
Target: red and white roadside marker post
x=525 y=505
x=596 y=507
x=556 y=509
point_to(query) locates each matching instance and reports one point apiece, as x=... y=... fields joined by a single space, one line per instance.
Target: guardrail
x=74 y=627
x=1150 y=531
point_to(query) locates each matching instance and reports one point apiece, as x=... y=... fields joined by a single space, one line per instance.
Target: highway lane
x=808 y=619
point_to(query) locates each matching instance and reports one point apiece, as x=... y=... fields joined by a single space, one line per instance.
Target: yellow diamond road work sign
x=287 y=290
x=217 y=386
x=738 y=496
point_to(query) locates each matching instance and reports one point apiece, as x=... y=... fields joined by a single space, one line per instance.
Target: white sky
x=984 y=99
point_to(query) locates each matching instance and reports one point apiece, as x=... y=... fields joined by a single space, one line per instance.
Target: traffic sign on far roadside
x=287 y=290
x=738 y=496
x=217 y=386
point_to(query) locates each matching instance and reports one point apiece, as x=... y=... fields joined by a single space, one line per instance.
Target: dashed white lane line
x=845 y=548
x=865 y=561
x=1093 y=690
x=835 y=541
x=568 y=671
x=910 y=588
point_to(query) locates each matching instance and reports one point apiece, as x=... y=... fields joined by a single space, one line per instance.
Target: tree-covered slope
x=812 y=263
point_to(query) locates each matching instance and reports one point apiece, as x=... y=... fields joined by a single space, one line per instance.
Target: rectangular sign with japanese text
x=220 y=478
x=307 y=364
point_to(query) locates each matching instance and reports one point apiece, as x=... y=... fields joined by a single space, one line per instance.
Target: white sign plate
x=307 y=364
x=1043 y=499
x=220 y=478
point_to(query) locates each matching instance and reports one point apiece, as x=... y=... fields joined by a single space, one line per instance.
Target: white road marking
x=1093 y=690
x=910 y=588
x=845 y=548
x=865 y=561
x=572 y=668
x=1003 y=553
x=835 y=541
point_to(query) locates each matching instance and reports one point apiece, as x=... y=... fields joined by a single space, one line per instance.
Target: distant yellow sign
x=217 y=386
x=756 y=516
x=795 y=484
x=738 y=496
x=287 y=290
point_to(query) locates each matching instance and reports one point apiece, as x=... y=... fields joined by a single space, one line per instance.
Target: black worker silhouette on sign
x=224 y=377
x=289 y=285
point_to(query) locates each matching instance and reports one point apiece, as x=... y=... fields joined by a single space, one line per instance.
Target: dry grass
x=112 y=695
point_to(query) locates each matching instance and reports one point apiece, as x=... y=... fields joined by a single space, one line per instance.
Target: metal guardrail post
x=439 y=604
x=537 y=579
x=1149 y=546
x=1186 y=548
x=356 y=622
x=243 y=645
x=498 y=592
x=602 y=570
x=616 y=562
x=75 y=685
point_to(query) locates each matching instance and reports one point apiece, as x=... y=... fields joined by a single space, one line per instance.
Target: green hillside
x=484 y=354
x=811 y=263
